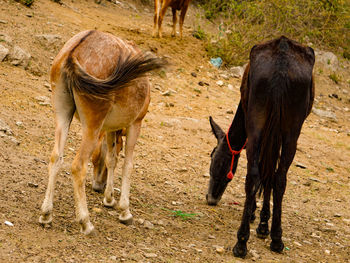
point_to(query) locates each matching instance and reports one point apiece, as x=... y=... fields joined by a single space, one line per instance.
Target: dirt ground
x=171 y=158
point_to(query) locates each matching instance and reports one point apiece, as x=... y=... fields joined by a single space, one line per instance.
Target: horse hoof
x=98 y=187
x=240 y=250
x=128 y=221
x=45 y=219
x=262 y=232
x=87 y=229
x=276 y=246
x=108 y=203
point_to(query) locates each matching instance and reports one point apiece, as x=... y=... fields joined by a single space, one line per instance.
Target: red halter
x=230 y=174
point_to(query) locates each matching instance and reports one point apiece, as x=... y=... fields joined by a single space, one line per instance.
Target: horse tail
x=271 y=140
x=128 y=68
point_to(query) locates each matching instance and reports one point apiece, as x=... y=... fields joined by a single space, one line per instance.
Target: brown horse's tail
x=128 y=68
x=271 y=139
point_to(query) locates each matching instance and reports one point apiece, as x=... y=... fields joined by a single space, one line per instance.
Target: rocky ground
x=172 y=221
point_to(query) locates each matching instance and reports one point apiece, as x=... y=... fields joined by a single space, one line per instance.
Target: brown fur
x=160 y=7
x=100 y=79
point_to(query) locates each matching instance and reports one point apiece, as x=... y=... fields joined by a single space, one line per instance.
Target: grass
x=335 y=78
x=324 y=23
x=181 y=214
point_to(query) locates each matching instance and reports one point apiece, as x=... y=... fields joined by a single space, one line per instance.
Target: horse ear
x=218 y=132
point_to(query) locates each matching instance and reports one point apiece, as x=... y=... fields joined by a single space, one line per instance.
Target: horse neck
x=237 y=133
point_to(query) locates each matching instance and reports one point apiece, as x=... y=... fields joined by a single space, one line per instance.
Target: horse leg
x=161 y=17
x=182 y=18
x=64 y=110
x=263 y=229
x=98 y=160
x=251 y=185
x=132 y=134
x=279 y=185
x=252 y=217
x=111 y=161
x=157 y=6
x=79 y=167
x=173 y=33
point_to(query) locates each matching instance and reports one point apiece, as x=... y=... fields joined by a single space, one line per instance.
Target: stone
x=297 y=243
x=166 y=93
x=3 y=52
x=48 y=38
x=43 y=100
x=220 y=250
x=324 y=114
x=8 y=223
x=327 y=60
x=237 y=72
x=19 y=57
x=4 y=128
x=5 y=38
x=300 y=165
x=97 y=210
x=220 y=83
x=148 y=224
x=193 y=74
x=150 y=255
x=140 y=221
x=33 y=185
x=113 y=258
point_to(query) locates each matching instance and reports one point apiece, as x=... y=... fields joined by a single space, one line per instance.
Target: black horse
x=277 y=93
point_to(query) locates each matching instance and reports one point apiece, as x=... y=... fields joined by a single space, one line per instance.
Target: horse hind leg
x=79 y=167
x=279 y=185
x=100 y=169
x=111 y=161
x=132 y=134
x=262 y=230
x=64 y=108
x=173 y=33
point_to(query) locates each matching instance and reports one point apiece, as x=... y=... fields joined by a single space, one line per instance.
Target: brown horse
x=99 y=78
x=277 y=94
x=160 y=7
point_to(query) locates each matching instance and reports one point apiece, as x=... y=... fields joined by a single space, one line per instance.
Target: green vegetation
x=325 y=23
x=183 y=215
x=335 y=78
x=26 y=2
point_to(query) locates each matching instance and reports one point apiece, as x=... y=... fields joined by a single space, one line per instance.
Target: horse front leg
x=251 y=185
x=132 y=134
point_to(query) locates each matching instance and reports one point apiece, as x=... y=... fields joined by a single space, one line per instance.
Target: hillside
x=172 y=155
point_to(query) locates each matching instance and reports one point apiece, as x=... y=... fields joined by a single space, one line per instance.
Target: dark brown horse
x=277 y=94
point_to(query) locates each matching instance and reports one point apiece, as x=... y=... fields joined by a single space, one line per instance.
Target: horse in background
x=277 y=94
x=160 y=7
x=100 y=79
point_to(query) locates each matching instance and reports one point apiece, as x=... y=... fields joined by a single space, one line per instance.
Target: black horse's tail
x=128 y=68
x=271 y=140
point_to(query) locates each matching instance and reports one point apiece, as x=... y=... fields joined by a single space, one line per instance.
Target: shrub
x=324 y=23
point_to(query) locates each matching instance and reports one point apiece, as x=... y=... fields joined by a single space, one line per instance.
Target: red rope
x=230 y=174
